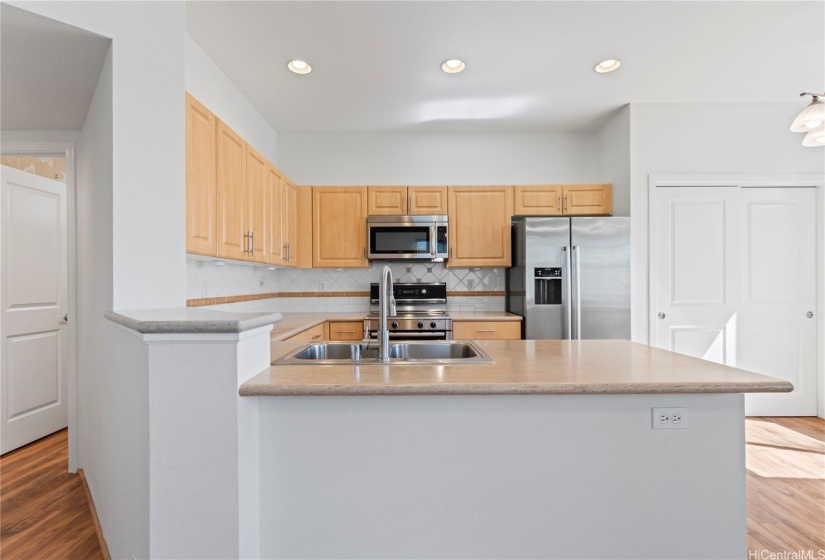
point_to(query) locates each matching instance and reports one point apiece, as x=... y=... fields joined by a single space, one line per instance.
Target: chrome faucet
x=386 y=305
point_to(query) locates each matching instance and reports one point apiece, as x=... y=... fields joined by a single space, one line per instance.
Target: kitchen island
x=550 y=452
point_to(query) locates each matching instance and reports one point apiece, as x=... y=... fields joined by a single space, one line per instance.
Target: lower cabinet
x=486 y=330
x=346 y=330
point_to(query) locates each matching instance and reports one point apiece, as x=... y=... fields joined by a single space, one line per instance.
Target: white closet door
x=734 y=278
x=776 y=337
x=696 y=279
x=33 y=400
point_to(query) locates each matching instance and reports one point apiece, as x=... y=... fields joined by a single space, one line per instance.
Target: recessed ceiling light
x=453 y=66
x=299 y=66
x=608 y=65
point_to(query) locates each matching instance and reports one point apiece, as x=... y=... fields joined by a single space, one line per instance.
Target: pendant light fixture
x=812 y=121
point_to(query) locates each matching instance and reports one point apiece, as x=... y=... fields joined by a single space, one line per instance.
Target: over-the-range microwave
x=407 y=238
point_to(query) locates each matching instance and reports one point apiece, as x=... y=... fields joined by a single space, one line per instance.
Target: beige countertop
x=540 y=367
x=191 y=320
x=293 y=323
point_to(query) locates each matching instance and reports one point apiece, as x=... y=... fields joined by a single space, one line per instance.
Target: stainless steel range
x=421 y=313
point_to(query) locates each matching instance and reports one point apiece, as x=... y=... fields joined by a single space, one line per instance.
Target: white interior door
x=33 y=274
x=776 y=335
x=734 y=274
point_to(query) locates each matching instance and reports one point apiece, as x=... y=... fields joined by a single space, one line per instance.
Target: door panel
x=275 y=214
x=427 y=201
x=698 y=252
x=480 y=226
x=257 y=179
x=386 y=201
x=32 y=305
x=232 y=214
x=707 y=343
x=200 y=178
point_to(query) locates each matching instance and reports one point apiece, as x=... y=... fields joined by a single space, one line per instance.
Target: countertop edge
x=247 y=390
x=172 y=326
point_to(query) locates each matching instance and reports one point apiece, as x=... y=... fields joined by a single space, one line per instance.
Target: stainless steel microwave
x=407 y=238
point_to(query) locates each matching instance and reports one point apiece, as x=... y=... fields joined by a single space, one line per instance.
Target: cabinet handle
x=486 y=330
x=409 y=203
x=560 y=203
x=246 y=244
x=346 y=332
x=316 y=337
x=251 y=242
x=450 y=254
x=566 y=204
x=283 y=252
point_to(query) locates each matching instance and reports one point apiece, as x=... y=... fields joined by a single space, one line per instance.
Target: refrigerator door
x=601 y=292
x=546 y=294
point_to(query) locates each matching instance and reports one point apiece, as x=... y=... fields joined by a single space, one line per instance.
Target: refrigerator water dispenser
x=548 y=286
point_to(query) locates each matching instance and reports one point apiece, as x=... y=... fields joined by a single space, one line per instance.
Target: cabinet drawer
x=486 y=330
x=314 y=334
x=346 y=330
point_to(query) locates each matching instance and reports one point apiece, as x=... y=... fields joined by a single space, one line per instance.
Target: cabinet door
x=346 y=330
x=313 y=334
x=290 y=221
x=479 y=229
x=339 y=227
x=231 y=185
x=303 y=244
x=427 y=201
x=201 y=194
x=487 y=330
x=588 y=200
x=538 y=200
x=387 y=201
x=275 y=217
x=257 y=183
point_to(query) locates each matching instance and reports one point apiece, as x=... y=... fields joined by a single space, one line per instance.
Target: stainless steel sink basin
x=406 y=353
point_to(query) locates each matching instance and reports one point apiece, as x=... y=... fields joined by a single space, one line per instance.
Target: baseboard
x=103 y=548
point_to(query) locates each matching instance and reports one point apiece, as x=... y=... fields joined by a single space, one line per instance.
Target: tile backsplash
x=205 y=279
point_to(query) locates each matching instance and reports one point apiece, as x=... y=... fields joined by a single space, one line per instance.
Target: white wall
x=147 y=143
x=371 y=158
x=704 y=139
x=613 y=152
x=209 y=85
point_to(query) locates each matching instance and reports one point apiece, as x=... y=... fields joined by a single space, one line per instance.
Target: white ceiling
x=48 y=71
x=529 y=64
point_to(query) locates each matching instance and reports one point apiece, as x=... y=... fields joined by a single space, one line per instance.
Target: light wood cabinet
x=538 y=200
x=588 y=200
x=313 y=334
x=339 y=227
x=274 y=211
x=232 y=215
x=200 y=178
x=486 y=330
x=346 y=330
x=386 y=201
x=290 y=222
x=479 y=229
x=303 y=243
x=257 y=185
x=427 y=201
x=406 y=201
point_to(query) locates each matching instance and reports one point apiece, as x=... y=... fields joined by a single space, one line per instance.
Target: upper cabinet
x=479 y=229
x=290 y=222
x=339 y=227
x=563 y=200
x=232 y=211
x=588 y=200
x=403 y=201
x=275 y=244
x=427 y=201
x=257 y=185
x=200 y=178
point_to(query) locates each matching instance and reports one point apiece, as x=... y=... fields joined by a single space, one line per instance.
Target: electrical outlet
x=669 y=418
x=321 y=286
x=471 y=283
x=261 y=281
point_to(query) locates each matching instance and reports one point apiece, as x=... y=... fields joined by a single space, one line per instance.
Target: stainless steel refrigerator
x=570 y=277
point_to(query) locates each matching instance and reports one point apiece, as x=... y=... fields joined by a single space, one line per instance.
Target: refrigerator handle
x=568 y=309
x=577 y=250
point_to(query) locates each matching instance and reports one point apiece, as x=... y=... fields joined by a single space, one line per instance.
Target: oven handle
x=426 y=334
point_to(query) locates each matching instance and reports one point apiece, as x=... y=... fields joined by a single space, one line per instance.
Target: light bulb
x=299 y=66
x=608 y=65
x=453 y=66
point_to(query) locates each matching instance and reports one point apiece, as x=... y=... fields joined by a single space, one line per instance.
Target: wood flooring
x=44 y=513
x=785 y=460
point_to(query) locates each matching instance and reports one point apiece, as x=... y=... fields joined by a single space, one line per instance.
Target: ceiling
x=376 y=65
x=48 y=71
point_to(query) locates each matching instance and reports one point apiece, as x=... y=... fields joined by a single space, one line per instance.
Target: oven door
x=402 y=336
x=398 y=241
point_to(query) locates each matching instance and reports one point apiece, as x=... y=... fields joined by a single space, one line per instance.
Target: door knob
x=809 y=314
x=661 y=315
x=65 y=320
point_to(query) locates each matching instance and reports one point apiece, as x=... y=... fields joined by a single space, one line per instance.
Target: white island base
x=500 y=476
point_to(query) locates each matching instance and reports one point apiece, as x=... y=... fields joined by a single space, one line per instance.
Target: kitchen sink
x=401 y=353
